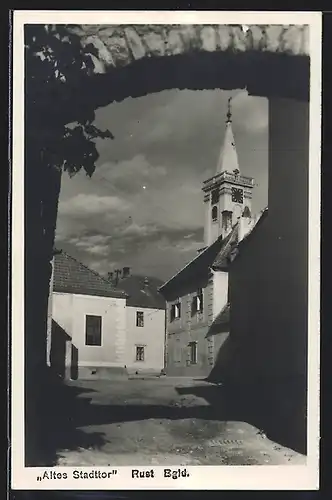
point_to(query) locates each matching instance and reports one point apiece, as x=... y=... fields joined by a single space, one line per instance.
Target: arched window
x=214 y=214
x=215 y=196
x=246 y=212
x=226 y=219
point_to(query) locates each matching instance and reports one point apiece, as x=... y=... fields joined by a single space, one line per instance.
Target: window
x=139 y=353
x=198 y=302
x=246 y=212
x=175 y=311
x=193 y=352
x=214 y=214
x=226 y=219
x=140 y=318
x=215 y=196
x=93 y=330
x=177 y=351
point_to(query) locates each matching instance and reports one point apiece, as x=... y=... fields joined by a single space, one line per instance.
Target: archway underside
x=261 y=74
x=138 y=60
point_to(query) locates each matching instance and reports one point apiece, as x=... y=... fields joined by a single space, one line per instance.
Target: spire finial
x=229 y=111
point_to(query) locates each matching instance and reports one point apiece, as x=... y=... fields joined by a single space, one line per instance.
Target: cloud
x=189 y=246
x=137 y=166
x=94 y=244
x=183 y=116
x=96 y=239
x=158 y=252
x=135 y=229
x=183 y=244
x=250 y=113
x=98 y=250
x=130 y=176
x=169 y=143
x=196 y=114
x=83 y=205
x=103 y=266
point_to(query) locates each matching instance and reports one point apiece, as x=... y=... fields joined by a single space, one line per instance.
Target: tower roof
x=228 y=160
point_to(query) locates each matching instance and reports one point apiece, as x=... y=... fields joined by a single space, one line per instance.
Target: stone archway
x=199 y=56
x=136 y=60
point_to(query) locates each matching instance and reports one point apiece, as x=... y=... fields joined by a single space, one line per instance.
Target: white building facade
x=95 y=332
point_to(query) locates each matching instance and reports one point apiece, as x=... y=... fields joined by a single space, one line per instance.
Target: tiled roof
x=221 y=322
x=71 y=276
x=213 y=256
x=142 y=291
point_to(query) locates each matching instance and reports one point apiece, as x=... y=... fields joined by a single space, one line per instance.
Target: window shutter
x=201 y=301
x=194 y=305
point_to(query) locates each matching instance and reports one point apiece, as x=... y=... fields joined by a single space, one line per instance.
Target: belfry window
x=246 y=212
x=226 y=219
x=214 y=213
x=215 y=196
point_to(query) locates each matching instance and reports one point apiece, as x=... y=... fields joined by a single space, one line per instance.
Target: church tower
x=227 y=195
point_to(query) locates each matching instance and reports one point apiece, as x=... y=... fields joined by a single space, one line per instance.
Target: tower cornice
x=229 y=178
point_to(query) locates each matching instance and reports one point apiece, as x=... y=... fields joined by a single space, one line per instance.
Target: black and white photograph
x=165 y=250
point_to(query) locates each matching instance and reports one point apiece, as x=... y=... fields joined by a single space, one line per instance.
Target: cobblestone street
x=162 y=421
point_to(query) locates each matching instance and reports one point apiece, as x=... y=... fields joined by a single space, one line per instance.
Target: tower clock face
x=237 y=195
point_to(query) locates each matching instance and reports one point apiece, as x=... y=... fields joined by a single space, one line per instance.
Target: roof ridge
x=219 y=240
x=93 y=272
x=142 y=277
x=225 y=307
x=134 y=275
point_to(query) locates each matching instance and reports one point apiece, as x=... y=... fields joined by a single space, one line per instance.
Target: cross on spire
x=229 y=111
x=228 y=160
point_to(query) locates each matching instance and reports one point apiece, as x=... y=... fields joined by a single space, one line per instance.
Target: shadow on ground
x=258 y=407
x=64 y=412
x=49 y=423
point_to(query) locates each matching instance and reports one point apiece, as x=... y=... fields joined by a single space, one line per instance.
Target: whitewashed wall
x=151 y=336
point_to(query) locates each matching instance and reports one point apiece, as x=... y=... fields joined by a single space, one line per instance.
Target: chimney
x=146 y=281
x=125 y=272
x=117 y=273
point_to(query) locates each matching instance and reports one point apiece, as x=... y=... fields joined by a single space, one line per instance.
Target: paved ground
x=161 y=421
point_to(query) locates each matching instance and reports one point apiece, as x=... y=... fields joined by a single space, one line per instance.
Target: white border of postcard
x=294 y=477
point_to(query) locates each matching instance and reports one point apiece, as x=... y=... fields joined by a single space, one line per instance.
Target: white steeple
x=227 y=195
x=228 y=160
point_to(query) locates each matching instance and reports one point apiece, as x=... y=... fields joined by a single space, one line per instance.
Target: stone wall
x=269 y=283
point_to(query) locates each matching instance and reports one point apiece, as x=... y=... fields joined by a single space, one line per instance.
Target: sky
x=143 y=206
